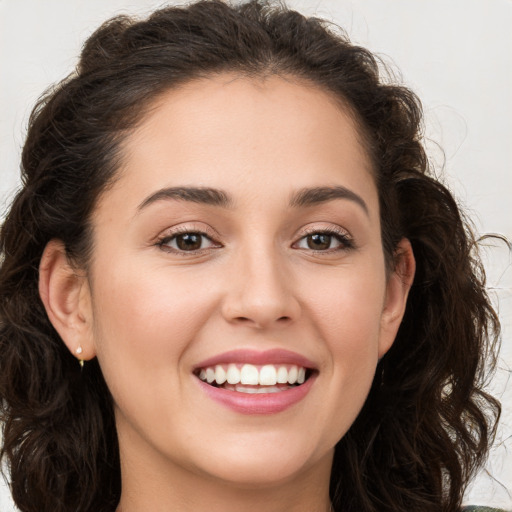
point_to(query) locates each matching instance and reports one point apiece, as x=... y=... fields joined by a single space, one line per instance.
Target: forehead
x=287 y=100
x=248 y=131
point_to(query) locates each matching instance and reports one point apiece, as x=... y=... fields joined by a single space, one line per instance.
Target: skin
x=150 y=312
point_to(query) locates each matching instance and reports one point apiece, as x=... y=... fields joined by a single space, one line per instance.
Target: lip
x=263 y=403
x=274 y=356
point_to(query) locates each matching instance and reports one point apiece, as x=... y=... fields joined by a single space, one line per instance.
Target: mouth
x=254 y=379
x=255 y=382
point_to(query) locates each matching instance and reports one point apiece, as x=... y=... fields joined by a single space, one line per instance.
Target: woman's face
x=241 y=241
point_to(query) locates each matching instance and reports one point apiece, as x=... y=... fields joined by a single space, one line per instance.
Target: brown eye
x=189 y=241
x=325 y=241
x=319 y=241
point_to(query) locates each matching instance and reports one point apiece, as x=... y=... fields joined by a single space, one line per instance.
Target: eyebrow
x=312 y=196
x=216 y=197
x=203 y=195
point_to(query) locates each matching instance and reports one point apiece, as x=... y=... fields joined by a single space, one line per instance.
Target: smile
x=256 y=383
x=248 y=378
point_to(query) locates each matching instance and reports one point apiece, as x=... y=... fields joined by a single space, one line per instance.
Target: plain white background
x=456 y=54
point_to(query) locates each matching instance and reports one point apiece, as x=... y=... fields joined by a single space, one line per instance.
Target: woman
x=229 y=282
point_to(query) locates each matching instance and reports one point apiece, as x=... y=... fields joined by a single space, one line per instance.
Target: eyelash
x=166 y=239
x=345 y=240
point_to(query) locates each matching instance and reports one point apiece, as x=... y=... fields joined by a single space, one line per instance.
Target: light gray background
x=456 y=54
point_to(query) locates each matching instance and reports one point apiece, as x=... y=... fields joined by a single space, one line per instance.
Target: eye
x=187 y=241
x=325 y=241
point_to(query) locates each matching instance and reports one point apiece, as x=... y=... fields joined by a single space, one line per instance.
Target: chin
x=257 y=473
x=263 y=463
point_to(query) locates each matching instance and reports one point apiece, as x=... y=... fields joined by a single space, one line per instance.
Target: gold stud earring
x=80 y=360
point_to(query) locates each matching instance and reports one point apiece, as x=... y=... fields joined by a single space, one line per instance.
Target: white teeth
x=220 y=374
x=249 y=374
x=282 y=375
x=233 y=374
x=254 y=391
x=293 y=373
x=268 y=375
x=210 y=375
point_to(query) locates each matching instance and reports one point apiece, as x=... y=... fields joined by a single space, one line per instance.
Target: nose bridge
x=260 y=292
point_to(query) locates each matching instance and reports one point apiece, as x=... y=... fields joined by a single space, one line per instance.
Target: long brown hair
x=427 y=423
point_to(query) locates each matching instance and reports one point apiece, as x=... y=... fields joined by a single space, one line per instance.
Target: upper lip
x=255 y=357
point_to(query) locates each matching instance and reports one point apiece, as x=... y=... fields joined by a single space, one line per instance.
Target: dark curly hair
x=427 y=423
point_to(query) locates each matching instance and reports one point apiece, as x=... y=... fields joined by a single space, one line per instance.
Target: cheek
x=347 y=310
x=145 y=319
x=347 y=315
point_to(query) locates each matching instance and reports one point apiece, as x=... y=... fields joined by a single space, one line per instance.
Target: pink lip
x=265 y=403
x=274 y=356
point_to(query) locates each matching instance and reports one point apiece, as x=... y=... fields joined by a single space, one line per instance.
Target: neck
x=218 y=499
x=150 y=483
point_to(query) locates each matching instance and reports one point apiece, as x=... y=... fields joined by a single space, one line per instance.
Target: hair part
x=427 y=423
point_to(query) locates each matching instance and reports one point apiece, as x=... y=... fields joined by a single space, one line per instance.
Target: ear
x=65 y=294
x=397 y=290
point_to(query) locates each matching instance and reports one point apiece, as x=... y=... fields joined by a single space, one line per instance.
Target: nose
x=260 y=292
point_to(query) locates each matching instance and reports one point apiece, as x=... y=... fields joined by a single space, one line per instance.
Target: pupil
x=188 y=242
x=319 y=241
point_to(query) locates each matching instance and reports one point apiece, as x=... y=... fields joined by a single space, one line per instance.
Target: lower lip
x=263 y=403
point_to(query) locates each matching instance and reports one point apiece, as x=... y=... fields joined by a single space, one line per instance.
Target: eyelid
x=324 y=228
x=189 y=227
x=321 y=227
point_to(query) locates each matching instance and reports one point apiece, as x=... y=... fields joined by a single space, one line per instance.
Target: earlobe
x=66 y=297
x=397 y=290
